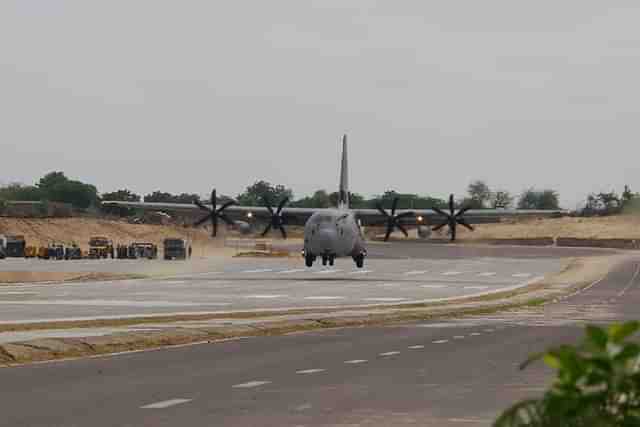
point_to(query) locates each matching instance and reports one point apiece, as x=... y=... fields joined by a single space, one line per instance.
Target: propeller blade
x=226 y=219
x=283 y=232
x=440 y=211
x=463 y=210
x=199 y=204
x=282 y=203
x=394 y=204
x=226 y=205
x=451 y=204
x=404 y=231
x=464 y=223
x=405 y=215
x=389 y=230
x=266 y=230
x=270 y=209
x=381 y=210
x=202 y=221
x=214 y=198
x=215 y=226
x=438 y=227
x=453 y=231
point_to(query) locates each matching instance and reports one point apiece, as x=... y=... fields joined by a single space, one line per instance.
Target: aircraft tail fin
x=343 y=202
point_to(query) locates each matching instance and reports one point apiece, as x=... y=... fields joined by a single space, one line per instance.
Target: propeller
x=453 y=218
x=277 y=218
x=213 y=213
x=393 y=221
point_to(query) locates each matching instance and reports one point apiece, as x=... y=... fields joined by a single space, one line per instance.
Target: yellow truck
x=100 y=247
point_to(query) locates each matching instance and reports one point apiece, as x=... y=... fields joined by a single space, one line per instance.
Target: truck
x=176 y=248
x=100 y=247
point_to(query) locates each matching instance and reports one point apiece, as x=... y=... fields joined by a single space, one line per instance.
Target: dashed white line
x=487 y=274
x=415 y=272
x=521 y=275
x=440 y=341
x=361 y=272
x=451 y=273
x=475 y=334
x=355 y=361
x=310 y=371
x=266 y=296
x=433 y=286
x=165 y=404
x=382 y=299
x=387 y=285
x=297 y=270
x=458 y=337
x=389 y=353
x=261 y=270
x=489 y=330
x=251 y=384
x=415 y=347
x=327 y=271
x=476 y=287
x=322 y=297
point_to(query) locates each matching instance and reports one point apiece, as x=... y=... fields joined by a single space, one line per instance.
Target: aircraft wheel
x=359 y=261
x=324 y=260
x=308 y=260
x=331 y=260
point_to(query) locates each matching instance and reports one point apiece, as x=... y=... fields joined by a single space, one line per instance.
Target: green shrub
x=597 y=383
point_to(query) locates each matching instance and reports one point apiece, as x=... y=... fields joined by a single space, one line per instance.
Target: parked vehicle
x=100 y=247
x=144 y=250
x=30 y=251
x=13 y=245
x=176 y=248
x=56 y=251
x=72 y=252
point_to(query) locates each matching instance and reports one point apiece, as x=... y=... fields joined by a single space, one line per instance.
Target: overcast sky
x=185 y=95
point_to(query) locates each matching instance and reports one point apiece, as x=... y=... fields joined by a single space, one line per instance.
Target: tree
x=121 y=196
x=480 y=193
x=597 y=383
x=536 y=199
x=20 y=192
x=256 y=194
x=501 y=199
x=56 y=187
x=320 y=199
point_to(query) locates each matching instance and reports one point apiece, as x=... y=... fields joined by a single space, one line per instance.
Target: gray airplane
x=333 y=233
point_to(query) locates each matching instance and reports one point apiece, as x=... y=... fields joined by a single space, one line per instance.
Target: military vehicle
x=100 y=247
x=176 y=248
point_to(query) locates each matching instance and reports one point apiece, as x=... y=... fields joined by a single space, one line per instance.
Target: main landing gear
x=359 y=260
x=309 y=259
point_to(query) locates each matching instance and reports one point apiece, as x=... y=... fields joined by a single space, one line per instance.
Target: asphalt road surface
x=453 y=373
x=431 y=272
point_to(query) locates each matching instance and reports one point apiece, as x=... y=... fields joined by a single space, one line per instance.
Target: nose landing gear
x=359 y=260
x=309 y=259
x=328 y=259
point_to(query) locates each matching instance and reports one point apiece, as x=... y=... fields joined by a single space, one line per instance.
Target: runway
x=459 y=372
x=239 y=284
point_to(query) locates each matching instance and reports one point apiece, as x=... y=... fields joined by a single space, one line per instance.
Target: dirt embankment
x=42 y=231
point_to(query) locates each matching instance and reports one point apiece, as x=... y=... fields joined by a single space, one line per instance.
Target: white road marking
x=261 y=270
x=451 y=273
x=476 y=287
x=458 y=337
x=323 y=297
x=355 y=361
x=488 y=330
x=475 y=334
x=251 y=384
x=118 y=303
x=361 y=272
x=19 y=293
x=310 y=371
x=433 y=286
x=521 y=275
x=440 y=341
x=165 y=404
x=174 y=282
x=266 y=296
x=387 y=285
x=297 y=270
x=415 y=272
x=487 y=274
x=385 y=299
x=389 y=353
x=415 y=347
x=327 y=271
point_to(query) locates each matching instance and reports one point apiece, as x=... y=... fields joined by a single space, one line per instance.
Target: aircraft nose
x=324 y=239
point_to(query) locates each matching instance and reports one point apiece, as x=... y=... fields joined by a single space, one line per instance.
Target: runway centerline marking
x=476 y=287
x=327 y=271
x=310 y=371
x=355 y=361
x=415 y=272
x=451 y=273
x=322 y=297
x=389 y=353
x=433 y=286
x=415 y=347
x=385 y=299
x=521 y=275
x=361 y=272
x=296 y=270
x=487 y=274
x=251 y=384
x=165 y=404
x=440 y=341
x=266 y=296
x=475 y=334
x=458 y=337
x=260 y=270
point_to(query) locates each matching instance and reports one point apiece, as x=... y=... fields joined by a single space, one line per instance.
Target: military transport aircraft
x=331 y=233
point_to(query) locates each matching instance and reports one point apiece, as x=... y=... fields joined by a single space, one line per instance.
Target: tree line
x=57 y=187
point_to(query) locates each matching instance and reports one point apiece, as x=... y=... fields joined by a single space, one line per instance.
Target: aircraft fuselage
x=330 y=234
